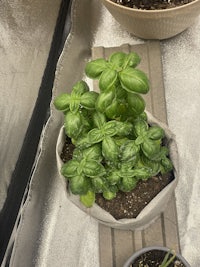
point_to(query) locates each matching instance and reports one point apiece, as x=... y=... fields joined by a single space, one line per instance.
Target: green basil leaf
x=104 y=100
x=134 y=80
x=110 y=150
x=107 y=79
x=99 y=119
x=88 y=100
x=69 y=169
x=132 y=60
x=74 y=104
x=142 y=173
x=93 y=152
x=109 y=195
x=89 y=153
x=80 y=88
x=73 y=124
x=115 y=110
x=97 y=184
x=166 y=165
x=79 y=185
x=113 y=177
x=62 y=102
x=136 y=103
x=129 y=152
x=128 y=184
x=86 y=122
x=118 y=58
x=95 y=67
x=95 y=136
x=156 y=133
x=140 y=128
x=88 y=199
x=93 y=168
x=109 y=128
x=123 y=128
x=154 y=166
x=82 y=142
x=150 y=148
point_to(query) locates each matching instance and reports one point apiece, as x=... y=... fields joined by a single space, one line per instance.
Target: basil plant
x=115 y=147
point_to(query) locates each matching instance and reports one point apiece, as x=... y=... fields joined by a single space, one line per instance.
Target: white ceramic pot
x=150 y=212
x=155 y=24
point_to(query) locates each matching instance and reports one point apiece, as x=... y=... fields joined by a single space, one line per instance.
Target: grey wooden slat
x=157 y=92
x=137 y=239
x=122 y=249
x=105 y=249
x=153 y=235
x=164 y=231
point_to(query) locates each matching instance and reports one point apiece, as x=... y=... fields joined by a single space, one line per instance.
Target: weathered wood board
x=117 y=245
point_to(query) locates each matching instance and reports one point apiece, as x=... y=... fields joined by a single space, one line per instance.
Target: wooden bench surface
x=115 y=246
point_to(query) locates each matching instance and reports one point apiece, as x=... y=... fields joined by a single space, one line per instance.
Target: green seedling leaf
x=94 y=68
x=134 y=81
x=88 y=199
x=168 y=259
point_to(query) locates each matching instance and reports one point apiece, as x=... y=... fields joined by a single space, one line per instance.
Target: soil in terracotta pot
x=126 y=204
x=154 y=259
x=151 y=4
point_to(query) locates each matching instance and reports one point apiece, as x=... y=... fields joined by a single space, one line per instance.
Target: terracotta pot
x=150 y=212
x=137 y=254
x=155 y=24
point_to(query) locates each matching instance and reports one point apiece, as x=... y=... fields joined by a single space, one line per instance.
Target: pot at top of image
x=155 y=24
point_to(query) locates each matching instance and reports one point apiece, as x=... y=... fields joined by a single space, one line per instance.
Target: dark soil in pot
x=154 y=259
x=126 y=204
x=151 y=4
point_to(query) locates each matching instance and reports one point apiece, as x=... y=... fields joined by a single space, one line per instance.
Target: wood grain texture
x=117 y=245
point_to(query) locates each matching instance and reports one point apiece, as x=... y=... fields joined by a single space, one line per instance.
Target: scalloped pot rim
x=168 y=10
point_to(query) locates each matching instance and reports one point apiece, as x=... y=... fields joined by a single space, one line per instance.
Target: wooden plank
x=122 y=250
x=117 y=245
x=106 y=246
